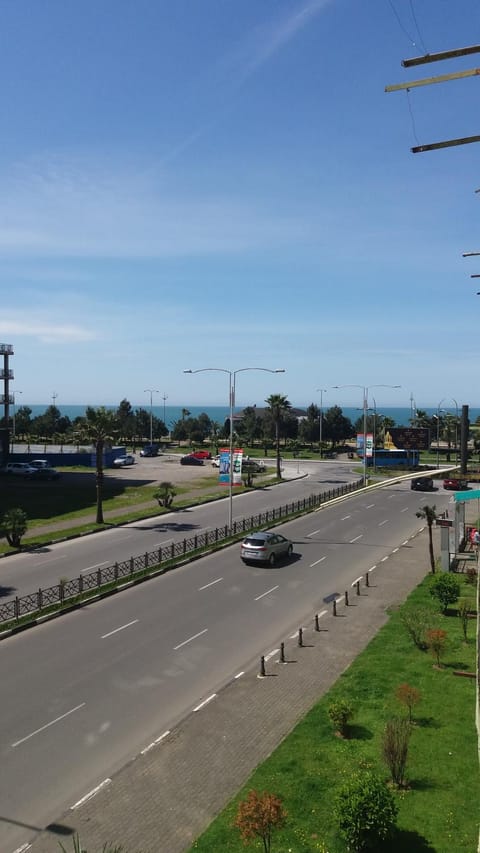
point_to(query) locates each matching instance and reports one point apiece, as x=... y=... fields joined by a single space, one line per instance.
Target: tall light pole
x=456 y=425
x=164 y=397
x=13 y=416
x=322 y=392
x=151 y=391
x=365 y=390
x=231 y=398
x=437 y=416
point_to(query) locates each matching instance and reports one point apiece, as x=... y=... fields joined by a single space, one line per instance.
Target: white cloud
x=44 y=331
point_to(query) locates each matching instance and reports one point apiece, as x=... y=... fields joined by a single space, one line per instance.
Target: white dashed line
x=266 y=593
x=405 y=510
x=271 y=655
x=356 y=539
x=239 y=674
x=357 y=580
x=23 y=848
x=381 y=523
x=190 y=639
x=205 y=702
x=383 y=559
x=314 y=532
x=47 y=725
x=317 y=562
x=90 y=794
x=395 y=550
x=154 y=743
x=323 y=613
x=345 y=517
x=92 y=568
x=212 y=583
x=369 y=506
x=116 y=630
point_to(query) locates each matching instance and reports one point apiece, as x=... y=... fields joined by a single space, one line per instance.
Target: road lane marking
x=371 y=569
x=369 y=506
x=23 y=848
x=317 y=562
x=395 y=550
x=345 y=517
x=385 y=521
x=47 y=725
x=190 y=639
x=159 y=544
x=356 y=538
x=266 y=593
x=154 y=743
x=357 y=580
x=239 y=674
x=383 y=560
x=212 y=583
x=271 y=655
x=116 y=630
x=322 y=613
x=313 y=533
x=205 y=702
x=91 y=568
x=405 y=510
x=90 y=794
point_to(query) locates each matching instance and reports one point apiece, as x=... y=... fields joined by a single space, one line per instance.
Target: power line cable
x=408 y=35
x=425 y=51
x=412 y=117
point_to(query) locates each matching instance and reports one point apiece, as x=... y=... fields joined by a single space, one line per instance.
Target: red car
x=201 y=454
x=455 y=484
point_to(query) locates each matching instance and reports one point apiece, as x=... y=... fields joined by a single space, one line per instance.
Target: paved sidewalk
x=162 y=800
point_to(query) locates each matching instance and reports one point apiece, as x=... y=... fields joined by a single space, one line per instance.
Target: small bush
x=365 y=811
x=464 y=611
x=471 y=575
x=437 y=640
x=445 y=588
x=13 y=526
x=417 y=621
x=395 y=748
x=340 y=713
x=408 y=696
x=258 y=816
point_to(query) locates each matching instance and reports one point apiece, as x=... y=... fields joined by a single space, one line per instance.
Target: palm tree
x=430 y=515
x=99 y=426
x=279 y=406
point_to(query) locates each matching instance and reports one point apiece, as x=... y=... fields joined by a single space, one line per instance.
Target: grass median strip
x=437 y=805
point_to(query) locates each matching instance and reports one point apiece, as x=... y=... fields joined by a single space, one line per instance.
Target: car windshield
x=251 y=540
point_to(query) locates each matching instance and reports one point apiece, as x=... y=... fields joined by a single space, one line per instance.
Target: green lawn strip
x=439 y=810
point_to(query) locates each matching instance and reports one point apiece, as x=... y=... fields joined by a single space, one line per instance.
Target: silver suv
x=21 y=469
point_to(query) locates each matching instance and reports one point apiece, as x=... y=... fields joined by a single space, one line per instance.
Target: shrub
x=464 y=615
x=14 y=526
x=258 y=816
x=395 y=748
x=417 y=620
x=436 y=640
x=471 y=575
x=165 y=494
x=446 y=588
x=365 y=811
x=408 y=696
x=340 y=713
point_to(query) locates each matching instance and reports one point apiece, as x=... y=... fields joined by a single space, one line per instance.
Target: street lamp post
x=13 y=417
x=231 y=399
x=151 y=391
x=164 y=397
x=456 y=425
x=365 y=390
x=322 y=392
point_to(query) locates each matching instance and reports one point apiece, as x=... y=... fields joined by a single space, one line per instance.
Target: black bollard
x=358 y=587
x=300 y=636
x=262 y=666
x=346 y=597
x=334 y=606
x=367 y=579
x=317 y=622
x=282 y=652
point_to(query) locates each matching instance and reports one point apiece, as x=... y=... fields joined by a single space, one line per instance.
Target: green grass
x=438 y=811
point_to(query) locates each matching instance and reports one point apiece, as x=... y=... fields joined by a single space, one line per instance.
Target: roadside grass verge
x=438 y=809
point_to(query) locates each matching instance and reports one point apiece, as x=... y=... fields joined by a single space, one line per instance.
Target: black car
x=422 y=484
x=44 y=474
x=191 y=460
x=150 y=450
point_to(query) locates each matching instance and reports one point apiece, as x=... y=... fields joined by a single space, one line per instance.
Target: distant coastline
x=401 y=415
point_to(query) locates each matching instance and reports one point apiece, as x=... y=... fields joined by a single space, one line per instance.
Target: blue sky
x=225 y=183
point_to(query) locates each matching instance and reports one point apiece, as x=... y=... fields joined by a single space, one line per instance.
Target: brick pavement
x=162 y=800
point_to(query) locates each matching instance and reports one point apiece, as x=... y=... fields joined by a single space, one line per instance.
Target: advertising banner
x=369 y=438
x=224 y=466
x=409 y=438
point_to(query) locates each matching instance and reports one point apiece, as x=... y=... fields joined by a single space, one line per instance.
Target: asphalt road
x=24 y=573
x=85 y=693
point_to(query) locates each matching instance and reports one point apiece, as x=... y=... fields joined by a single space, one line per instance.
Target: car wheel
x=271 y=560
x=289 y=550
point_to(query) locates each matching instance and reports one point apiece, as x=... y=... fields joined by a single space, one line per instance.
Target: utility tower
x=6 y=398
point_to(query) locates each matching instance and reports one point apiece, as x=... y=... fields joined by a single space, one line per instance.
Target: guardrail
x=103 y=580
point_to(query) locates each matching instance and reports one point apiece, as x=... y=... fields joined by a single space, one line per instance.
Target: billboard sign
x=369 y=437
x=224 y=466
x=409 y=438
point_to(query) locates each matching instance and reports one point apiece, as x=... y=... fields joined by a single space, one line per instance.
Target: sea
x=171 y=414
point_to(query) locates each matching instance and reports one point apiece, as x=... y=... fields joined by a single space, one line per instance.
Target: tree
x=417 y=621
x=279 y=407
x=464 y=611
x=446 y=588
x=429 y=514
x=408 y=696
x=13 y=526
x=337 y=428
x=365 y=811
x=165 y=494
x=258 y=816
x=99 y=426
x=436 y=641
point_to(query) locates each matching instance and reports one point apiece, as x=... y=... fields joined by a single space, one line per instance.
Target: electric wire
x=412 y=117
x=422 y=43
x=408 y=35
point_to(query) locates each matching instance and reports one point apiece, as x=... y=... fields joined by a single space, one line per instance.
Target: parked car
x=190 y=459
x=201 y=454
x=149 y=450
x=253 y=465
x=422 y=484
x=44 y=474
x=455 y=483
x=123 y=461
x=20 y=469
x=216 y=461
x=265 y=547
